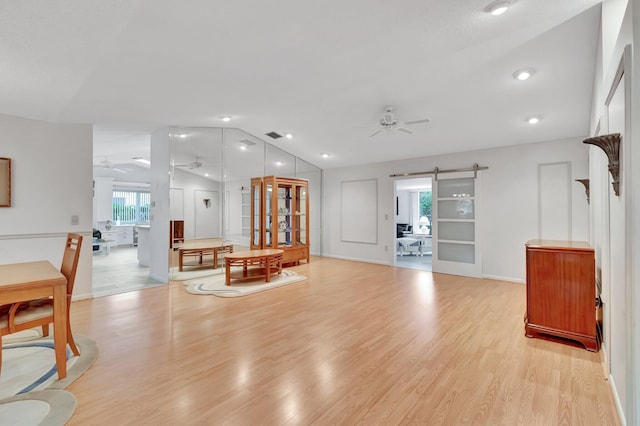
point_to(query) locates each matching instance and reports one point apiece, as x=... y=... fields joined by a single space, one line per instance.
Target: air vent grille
x=274 y=135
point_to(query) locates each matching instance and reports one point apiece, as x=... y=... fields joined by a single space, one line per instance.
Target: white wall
x=51 y=172
x=315 y=209
x=510 y=202
x=233 y=225
x=615 y=218
x=191 y=183
x=404 y=206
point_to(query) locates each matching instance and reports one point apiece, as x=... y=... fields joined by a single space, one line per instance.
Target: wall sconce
x=610 y=144
x=585 y=182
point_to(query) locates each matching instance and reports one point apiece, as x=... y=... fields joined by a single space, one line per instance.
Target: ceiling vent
x=247 y=142
x=274 y=135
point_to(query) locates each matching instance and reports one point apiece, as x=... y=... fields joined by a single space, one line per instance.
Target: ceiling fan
x=196 y=164
x=390 y=123
x=106 y=164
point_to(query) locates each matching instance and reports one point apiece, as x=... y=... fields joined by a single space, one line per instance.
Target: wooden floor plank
x=356 y=343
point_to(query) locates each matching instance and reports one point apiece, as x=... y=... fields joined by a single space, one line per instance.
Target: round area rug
x=215 y=285
x=29 y=387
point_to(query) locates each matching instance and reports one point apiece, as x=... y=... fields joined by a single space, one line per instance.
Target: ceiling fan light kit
x=196 y=164
x=389 y=122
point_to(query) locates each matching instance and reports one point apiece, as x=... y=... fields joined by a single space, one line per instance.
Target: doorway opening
x=413 y=243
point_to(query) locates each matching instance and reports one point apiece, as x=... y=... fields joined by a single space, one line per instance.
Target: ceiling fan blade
x=376 y=132
x=404 y=130
x=424 y=120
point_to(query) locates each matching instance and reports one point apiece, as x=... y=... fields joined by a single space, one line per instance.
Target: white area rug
x=29 y=387
x=214 y=285
x=192 y=273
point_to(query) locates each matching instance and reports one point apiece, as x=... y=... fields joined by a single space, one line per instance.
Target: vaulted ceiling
x=322 y=71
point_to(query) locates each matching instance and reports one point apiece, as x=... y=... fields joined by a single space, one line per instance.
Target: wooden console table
x=263 y=263
x=199 y=251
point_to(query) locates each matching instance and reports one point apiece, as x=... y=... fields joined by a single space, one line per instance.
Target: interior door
x=456 y=249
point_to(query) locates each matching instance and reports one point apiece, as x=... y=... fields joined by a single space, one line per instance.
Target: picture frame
x=5 y=182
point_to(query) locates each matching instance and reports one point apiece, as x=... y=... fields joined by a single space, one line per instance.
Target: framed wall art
x=5 y=182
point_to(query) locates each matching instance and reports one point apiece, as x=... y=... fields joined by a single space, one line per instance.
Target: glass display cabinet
x=280 y=216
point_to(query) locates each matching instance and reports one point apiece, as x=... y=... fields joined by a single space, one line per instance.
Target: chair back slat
x=70 y=260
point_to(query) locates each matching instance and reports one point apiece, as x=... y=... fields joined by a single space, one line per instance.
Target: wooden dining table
x=33 y=280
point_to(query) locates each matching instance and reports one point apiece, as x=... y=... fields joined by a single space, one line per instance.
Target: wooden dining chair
x=32 y=313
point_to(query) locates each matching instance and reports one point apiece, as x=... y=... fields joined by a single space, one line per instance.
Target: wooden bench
x=254 y=263
x=199 y=252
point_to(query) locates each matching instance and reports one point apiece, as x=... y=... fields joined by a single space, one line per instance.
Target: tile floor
x=119 y=272
x=414 y=262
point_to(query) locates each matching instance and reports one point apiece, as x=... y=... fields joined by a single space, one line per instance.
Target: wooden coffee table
x=202 y=250
x=255 y=263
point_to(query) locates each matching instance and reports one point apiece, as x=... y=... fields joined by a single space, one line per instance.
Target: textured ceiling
x=320 y=70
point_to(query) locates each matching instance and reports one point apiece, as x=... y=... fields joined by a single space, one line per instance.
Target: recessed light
x=533 y=120
x=279 y=163
x=498 y=7
x=288 y=136
x=225 y=118
x=524 y=74
x=243 y=147
x=182 y=135
x=325 y=155
x=206 y=174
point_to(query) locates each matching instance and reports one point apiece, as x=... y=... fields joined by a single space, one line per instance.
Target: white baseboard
x=162 y=279
x=84 y=296
x=616 y=400
x=355 y=259
x=499 y=278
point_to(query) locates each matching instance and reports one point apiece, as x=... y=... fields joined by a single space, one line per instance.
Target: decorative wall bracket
x=585 y=182
x=610 y=144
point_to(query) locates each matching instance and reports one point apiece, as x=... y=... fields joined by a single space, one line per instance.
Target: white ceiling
x=320 y=70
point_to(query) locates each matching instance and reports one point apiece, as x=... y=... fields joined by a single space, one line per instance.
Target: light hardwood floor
x=356 y=343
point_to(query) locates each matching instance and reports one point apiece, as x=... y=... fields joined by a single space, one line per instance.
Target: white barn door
x=456 y=249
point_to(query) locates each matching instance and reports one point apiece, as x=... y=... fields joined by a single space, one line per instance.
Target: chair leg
x=71 y=342
x=45 y=330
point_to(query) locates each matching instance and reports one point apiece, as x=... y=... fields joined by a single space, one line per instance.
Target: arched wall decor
x=585 y=182
x=610 y=144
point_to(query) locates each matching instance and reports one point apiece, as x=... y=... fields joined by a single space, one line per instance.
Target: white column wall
x=159 y=210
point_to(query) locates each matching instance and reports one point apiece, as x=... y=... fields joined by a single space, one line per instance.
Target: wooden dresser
x=561 y=291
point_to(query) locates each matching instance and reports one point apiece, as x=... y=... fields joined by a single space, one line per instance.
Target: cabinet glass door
x=256 y=206
x=285 y=212
x=269 y=232
x=301 y=215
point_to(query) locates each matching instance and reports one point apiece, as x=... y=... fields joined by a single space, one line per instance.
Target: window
x=424 y=209
x=130 y=207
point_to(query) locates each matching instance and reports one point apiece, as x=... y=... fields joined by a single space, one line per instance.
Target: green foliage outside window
x=425 y=207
